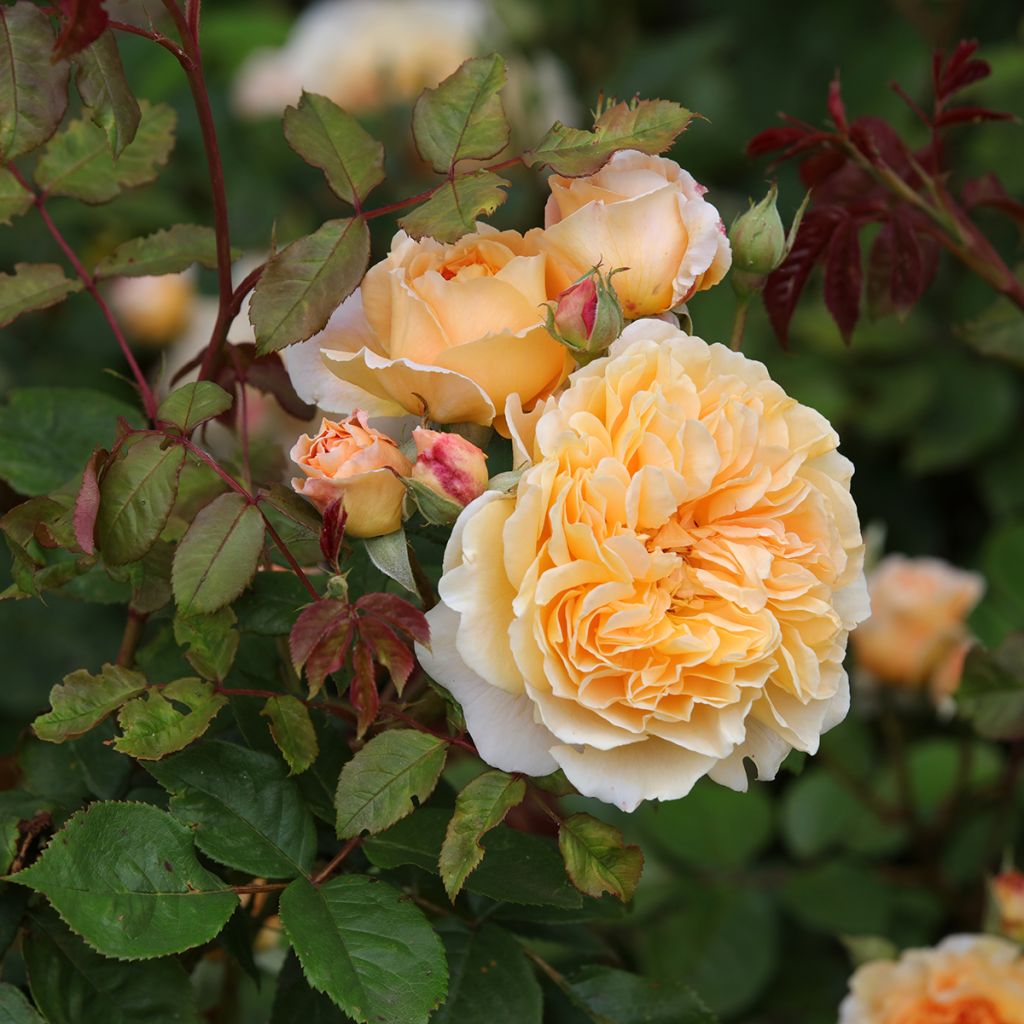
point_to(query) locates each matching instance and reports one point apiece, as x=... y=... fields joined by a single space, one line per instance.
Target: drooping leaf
x=82 y=22
x=193 y=403
x=378 y=786
x=463 y=117
x=612 y=996
x=452 y=211
x=218 y=555
x=136 y=497
x=33 y=88
x=390 y=554
x=325 y=136
x=245 y=811
x=597 y=859
x=153 y=726
x=304 y=283
x=368 y=948
x=83 y=700
x=293 y=731
x=165 y=252
x=15 y=199
x=650 y=126
x=15 y=1008
x=125 y=877
x=212 y=641
x=481 y=806
x=33 y=286
x=105 y=92
x=77 y=161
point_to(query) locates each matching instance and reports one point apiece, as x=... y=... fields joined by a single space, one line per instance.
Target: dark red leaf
x=843 y=276
x=362 y=692
x=989 y=191
x=319 y=640
x=333 y=530
x=786 y=283
x=836 y=109
x=959 y=71
x=87 y=503
x=389 y=650
x=908 y=280
x=396 y=612
x=329 y=655
x=815 y=169
x=970 y=115
x=772 y=139
x=878 y=141
x=82 y=23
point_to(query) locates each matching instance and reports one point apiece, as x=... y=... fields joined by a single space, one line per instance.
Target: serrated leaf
x=15 y=199
x=33 y=88
x=452 y=210
x=212 y=641
x=390 y=553
x=611 y=996
x=125 y=877
x=15 y=1008
x=327 y=137
x=105 y=92
x=295 y=999
x=72 y=984
x=377 y=787
x=481 y=806
x=245 y=811
x=152 y=726
x=77 y=161
x=303 y=284
x=137 y=494
x=650 y=126
x=192 y=404
x=367 y=947
x=596 y=858
x=292 y=730
x=164 y=252
x=33 y=286
x=83 y=700
x=463 y=117
x=218 y=555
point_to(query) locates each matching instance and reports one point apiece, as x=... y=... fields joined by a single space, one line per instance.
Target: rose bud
x=587 y=316
x=758 y=245
x=154 y=310
x=359 y=464
x=449 y=466
x=1008 y=896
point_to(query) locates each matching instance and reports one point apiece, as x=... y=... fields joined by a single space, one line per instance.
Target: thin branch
x=155 y=37
x=130 y=639
x=401 y=716
x=258 y=887
x=332 y=865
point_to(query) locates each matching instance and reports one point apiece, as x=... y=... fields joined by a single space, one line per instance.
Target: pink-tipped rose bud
x=449 y=465
x=359 y=464
x=1008 y=895
x=587 y=316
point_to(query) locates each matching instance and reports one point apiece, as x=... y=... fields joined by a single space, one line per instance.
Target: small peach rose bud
x=154 y=310
x=1008 y=895
x=587 y=316
x=758 y=245
x=449 y=465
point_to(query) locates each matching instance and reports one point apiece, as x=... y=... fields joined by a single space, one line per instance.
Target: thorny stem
x=39 y=201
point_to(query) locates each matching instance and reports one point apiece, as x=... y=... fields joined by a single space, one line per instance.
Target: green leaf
x=271 y=605
x=15 y=1008
x=435 y=508
x=136 y=497
x=840 y=897
x=15 y=199
x=390 y=553
x=164 y=252
x=490 y=981
x=378 y=786
x=293 y=731
x=452 y=211
x=294 y=1000
x=105 y=92
x=367 y=947
x=212 y=641
x=303 y=284
x=481 y=806
x=998 y=332
x=463 y=117
x=596 y=858
x=612 y=996
x=650 y=126
x=33 y=286
x=33 y=89
x=245 y=811
x=218 y=555
x=125 y=877
x=82 y=419
x=84 y=700
x=77 y=161
x=327 y=137
x=153 y=726
x=72 y=984
x=194 y=403
x=991 y=691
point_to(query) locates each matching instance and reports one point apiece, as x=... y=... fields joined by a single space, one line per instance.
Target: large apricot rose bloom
x=449 y=331
x=966 y=979
x=644 y=213
x=669 y=590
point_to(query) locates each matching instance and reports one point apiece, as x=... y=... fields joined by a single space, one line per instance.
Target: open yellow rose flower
x=447 y=331
x=669 y=590
x=642 y=213
x=966 y=979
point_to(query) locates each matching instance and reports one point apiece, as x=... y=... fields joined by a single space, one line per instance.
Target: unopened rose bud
x=1008 y=894
x=758 y=245
x=587 y=316
x=449 y=465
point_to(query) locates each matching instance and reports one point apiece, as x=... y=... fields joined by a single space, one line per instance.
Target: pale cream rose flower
x=154 y=309
x=641 y=212
x=447 y=331
x=670 y=588
x=917 y=634
x=966 y=979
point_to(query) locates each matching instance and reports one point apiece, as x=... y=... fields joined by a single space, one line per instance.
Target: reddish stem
x=130 y=638
x=156 y=37
x=332 y=865
x=420 y=727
